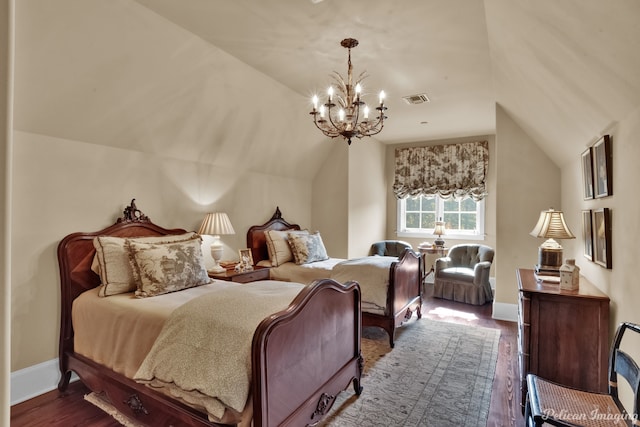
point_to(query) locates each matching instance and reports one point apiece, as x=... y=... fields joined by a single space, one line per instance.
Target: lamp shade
x=551 y=225
x=215 y=224
x=439 y=228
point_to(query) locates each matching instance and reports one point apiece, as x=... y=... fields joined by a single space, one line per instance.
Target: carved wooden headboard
x=256 y=240
x=75 y=255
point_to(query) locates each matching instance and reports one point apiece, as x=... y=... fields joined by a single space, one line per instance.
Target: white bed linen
x=304 y=273
x=372 y=273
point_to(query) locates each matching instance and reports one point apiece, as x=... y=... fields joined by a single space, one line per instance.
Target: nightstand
x=258 y=273
x=429 y=257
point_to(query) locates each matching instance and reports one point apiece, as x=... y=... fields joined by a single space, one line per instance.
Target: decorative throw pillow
x=278 y=246
x=161 y=268
x=307 y=248
x=111 y=261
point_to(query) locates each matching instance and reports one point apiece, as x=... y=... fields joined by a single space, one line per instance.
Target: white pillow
x=160 y=268
x=111 y=261
x=278 y=246
x=307 y=248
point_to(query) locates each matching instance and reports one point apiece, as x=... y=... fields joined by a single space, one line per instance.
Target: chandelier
x=345 y=114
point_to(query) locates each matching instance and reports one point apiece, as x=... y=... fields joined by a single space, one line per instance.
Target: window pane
x=429 y=204
x=413 y=204
x=468 y=205
x=428 y=220
x=413 y=220
x=451 y=205
x=468 y=221
x=451 y=220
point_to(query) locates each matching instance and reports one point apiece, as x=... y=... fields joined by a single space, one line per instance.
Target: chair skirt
x=461 y=292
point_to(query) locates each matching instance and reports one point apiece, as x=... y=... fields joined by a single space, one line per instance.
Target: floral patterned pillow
x=307 y=248
x=111 y=261
x=278 y=246
x=168 y=267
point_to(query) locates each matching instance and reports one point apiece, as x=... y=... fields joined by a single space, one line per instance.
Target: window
x=463 y=217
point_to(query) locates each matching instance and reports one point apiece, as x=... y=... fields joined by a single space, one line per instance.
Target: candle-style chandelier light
x=345 y=114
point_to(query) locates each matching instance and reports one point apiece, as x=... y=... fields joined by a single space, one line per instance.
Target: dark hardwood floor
x=70 y=409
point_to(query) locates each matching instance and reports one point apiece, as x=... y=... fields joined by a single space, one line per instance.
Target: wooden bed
x=404 y=294
x=281 y=396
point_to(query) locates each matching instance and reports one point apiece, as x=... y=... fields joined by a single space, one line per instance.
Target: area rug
x=439 y=374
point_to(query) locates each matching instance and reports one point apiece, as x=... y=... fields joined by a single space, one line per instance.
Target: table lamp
x=439 y=231
x=550 y=226
x=215 y=224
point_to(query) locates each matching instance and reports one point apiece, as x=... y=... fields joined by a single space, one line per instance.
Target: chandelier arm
x=348 y=98
x=337 y=128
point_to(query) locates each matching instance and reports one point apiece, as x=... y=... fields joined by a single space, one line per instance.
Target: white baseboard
x=503 y=311
x=35 y=380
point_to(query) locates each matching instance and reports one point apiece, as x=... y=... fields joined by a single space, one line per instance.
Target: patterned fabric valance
x=454 y=170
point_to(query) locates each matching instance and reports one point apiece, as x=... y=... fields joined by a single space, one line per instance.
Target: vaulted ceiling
x=565 y=70
x=154 y=75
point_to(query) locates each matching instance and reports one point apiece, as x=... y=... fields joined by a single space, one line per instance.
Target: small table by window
x=258 y=273
x=429 y=257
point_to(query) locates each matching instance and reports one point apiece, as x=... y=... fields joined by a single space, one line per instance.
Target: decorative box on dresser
x=563 y=336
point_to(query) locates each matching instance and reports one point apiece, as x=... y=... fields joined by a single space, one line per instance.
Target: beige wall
x=348 y=197
x=6 y=93
x=63 y=186
x=528 y=182
x=330 y=202
x=123 y=104
x=367 y=190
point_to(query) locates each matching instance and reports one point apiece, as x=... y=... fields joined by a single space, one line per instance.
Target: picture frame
x=602 y=168
x=245 y=254
x=587 y=234
x=601 y=231
x=587 y=174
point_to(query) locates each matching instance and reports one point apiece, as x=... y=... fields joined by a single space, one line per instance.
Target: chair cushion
x=460 y=274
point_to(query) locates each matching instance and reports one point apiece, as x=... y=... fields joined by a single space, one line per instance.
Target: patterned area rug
x=439 y=374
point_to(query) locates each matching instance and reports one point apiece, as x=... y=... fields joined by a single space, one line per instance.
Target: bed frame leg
x=64 y=381
x=357 y=387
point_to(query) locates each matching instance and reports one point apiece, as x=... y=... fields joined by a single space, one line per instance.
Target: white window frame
x=477 y=234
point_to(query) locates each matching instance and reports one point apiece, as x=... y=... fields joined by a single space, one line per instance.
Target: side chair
x=554 y=404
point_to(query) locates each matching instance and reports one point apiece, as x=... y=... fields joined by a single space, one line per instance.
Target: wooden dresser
x=563 y=336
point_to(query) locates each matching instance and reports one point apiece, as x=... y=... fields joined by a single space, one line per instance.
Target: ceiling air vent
x=416 y=99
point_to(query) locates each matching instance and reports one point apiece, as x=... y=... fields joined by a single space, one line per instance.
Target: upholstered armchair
x=463 y=275
x=389 y=248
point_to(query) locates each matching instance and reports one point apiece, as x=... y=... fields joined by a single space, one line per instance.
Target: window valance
x=453 y=170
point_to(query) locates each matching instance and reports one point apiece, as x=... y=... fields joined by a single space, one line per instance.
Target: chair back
x=389 y=248
x=468 y=255
x=620 y=363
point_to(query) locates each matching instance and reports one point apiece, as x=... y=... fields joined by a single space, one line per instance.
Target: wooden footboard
x=404 y=295
x=303 y=357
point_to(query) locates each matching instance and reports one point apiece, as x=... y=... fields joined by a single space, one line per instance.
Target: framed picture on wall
x=587 y=174
x=602 y=167
x=601 y=219
x=587 y=235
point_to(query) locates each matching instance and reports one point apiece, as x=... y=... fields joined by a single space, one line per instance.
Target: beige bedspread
x=118 y=331
x=210 y=337
x=372 y=273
